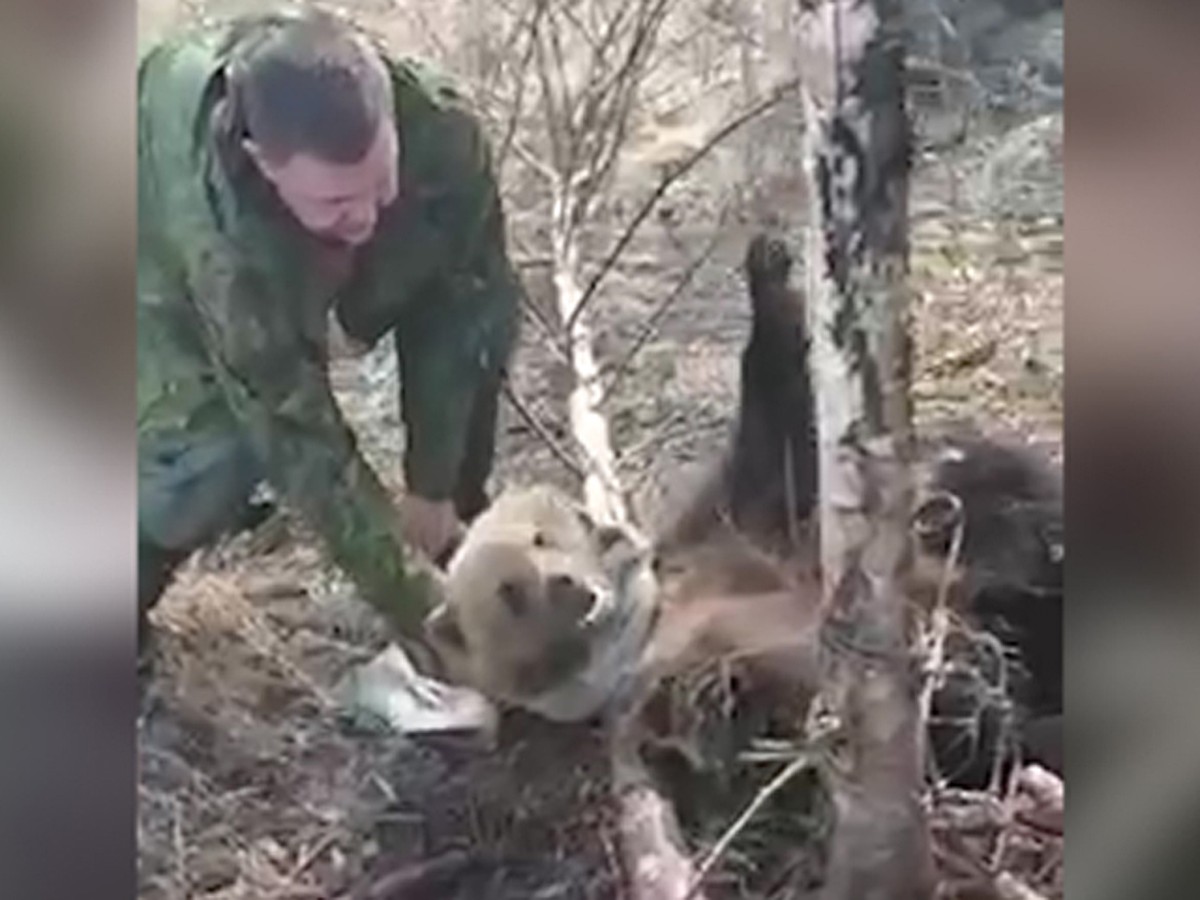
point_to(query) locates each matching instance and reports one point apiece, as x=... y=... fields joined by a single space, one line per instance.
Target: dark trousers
x=192 y=488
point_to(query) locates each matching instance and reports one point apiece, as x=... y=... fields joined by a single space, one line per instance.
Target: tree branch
x=651 y=324
x=527 y=415
x=669 y=179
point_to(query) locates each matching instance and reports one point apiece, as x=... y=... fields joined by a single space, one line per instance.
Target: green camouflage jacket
x=233 y=304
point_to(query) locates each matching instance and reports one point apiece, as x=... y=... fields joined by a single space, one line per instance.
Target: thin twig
x=669 y=179
x=590 y=39
x=790 y=771
x=660 y=438
x=567 y=101
x=624 y=88
x=554 y=339
x=531 y=159
x=651 y=324
x=532 y=262
x=552 y=443
x=314 y=853
x=519 y=101
x=550 y=107
x=940 y=616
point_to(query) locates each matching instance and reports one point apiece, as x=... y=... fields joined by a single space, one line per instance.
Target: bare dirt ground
x=250 y=785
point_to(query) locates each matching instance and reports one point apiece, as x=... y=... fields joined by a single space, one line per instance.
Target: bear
x=547 y=610
x=542 y=608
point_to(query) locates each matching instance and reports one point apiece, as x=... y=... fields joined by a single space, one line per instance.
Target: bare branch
x=592 y=40
x=618 y=94
x=939 y=626
x=553 y=338
x=550 y=104
x=566 y=99
x=669 y=179
x=602 y=493
x=656 y=859
x=769 y=790
x=532 y=160
x=663 y=307
x=522 y=80
x=527 y=415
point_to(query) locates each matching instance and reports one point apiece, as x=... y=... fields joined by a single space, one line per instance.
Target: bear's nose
x=570 y=596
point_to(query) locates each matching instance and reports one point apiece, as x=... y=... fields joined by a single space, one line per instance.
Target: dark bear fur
x=1011 y=586
x=766 y=481
x=1012 y=590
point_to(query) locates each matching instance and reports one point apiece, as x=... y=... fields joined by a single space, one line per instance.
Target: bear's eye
x=513 y=596
x=539 y=539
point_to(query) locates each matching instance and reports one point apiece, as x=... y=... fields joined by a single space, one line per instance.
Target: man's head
x=316 y=105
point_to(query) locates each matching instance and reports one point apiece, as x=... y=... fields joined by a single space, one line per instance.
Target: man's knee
x=191 y=489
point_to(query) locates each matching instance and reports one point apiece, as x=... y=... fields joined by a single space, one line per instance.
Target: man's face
x=334 y=201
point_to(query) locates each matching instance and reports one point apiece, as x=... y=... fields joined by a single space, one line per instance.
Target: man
x=287 y=168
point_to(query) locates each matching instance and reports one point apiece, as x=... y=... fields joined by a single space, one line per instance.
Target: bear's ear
x=609 y=536
x=442 y=625
x=585 y=518
x=606 y=536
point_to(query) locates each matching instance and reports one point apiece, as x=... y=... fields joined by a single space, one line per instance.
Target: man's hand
x=431 y=526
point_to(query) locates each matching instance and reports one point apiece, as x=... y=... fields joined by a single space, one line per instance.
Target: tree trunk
x=857 y=155
x=656 y=860
x=601 y=494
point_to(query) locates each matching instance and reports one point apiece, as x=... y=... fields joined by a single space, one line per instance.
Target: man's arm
x=277 y=386
x=454 y=345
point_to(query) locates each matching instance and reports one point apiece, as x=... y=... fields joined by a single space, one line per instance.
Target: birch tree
x=857 y=165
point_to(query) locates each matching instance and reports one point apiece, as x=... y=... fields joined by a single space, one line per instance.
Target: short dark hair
x=306 y=82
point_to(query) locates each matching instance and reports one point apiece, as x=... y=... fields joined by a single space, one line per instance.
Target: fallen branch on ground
x=657 y=863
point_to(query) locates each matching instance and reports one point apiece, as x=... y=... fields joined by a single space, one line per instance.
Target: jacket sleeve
x=457 y=343
x=277 y=386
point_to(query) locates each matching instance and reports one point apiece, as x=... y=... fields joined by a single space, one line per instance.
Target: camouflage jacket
x=233 y=304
